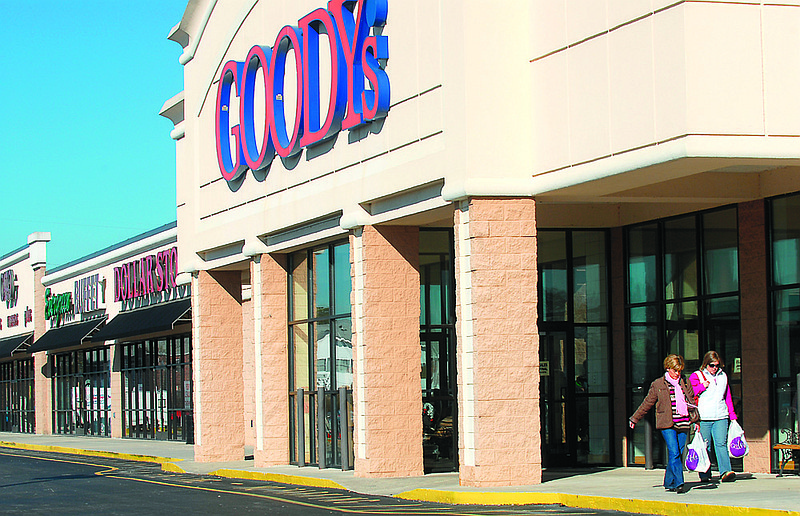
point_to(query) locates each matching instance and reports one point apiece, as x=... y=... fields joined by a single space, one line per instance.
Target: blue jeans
x=676 y=442
x=716 y=431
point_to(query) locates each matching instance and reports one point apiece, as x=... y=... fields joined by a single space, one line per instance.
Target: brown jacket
x=658 y=395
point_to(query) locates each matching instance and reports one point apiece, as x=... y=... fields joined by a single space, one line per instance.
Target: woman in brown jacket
x=671 y=395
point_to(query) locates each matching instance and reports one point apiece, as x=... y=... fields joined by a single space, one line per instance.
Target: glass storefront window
x=591 y=360
x=684 y=315
x=590 y=275
x=680 y=258
x=437 y=348
x=342 y=281
x=299 y=287
x=552 y=260
x=301 y=374
x=17 y=412
x=682 y=328
x=784 y=213
x=785 y=240
x=81 y=392
x=721 y=258
x=321 y=354
x=322 y=283
x=344 y=353
x=157 y=397
x=642 y=270
x=574 y=350
x=646 y=361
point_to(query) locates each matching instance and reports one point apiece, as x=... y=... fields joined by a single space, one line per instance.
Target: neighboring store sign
x=87 y=294
x=8 y=288
x=57 y=305
x=148 y=275
x=359 y=86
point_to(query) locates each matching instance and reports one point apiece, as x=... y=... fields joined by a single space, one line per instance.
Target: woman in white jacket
x=715 y=405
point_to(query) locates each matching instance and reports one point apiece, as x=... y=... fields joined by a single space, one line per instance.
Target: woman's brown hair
x=712 y=356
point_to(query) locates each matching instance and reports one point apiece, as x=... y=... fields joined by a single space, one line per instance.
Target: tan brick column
x=498 y=343
x=618 y=348
x=116 y=388
x=217 y=366
x=271 y=318
x=249 y=369
x=755 y=335
x=387 y=395
x=42 y=381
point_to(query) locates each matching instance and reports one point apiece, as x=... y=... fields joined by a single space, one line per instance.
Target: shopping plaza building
x=99 y=346
x=421 y=236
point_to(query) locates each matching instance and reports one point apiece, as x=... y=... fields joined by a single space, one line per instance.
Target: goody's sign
x=359 y=86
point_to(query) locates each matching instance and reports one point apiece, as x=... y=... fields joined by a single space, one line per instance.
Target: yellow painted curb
x=167 y=464
x=171 y=467
x=277 y=477
x=586 y=502
x=480 y=498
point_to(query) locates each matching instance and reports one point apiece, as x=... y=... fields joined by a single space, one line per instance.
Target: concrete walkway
x=623 y=489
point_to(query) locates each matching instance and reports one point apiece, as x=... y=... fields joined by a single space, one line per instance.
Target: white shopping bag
x=697 y=456
x=737 y=444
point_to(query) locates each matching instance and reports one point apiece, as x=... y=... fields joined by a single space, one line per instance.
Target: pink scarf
x=680 y=397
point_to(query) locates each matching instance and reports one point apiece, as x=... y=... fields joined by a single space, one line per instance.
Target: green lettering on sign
x=57 y=305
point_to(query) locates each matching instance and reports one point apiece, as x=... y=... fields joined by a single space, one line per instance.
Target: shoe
x=728 y=476
x=705 y=480
x=683 y=488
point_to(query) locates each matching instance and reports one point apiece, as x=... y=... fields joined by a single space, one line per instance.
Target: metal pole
x=344 y=440
x=321 y=427
x=648 y=444
x=796 y=453
x=301 y=429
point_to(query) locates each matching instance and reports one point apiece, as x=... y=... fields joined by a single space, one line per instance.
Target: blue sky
x=85 y=154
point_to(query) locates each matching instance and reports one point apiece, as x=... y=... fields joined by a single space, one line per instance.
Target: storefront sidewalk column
x=387 y=396
x=755 y=335
x=217 y=367
x=498 y=343
x=272 y=359
x=116 y=389
x=42 y=375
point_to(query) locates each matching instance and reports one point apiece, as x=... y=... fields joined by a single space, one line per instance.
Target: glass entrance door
x=575 y=407
x=557 y=427
x=438 y=404
x=438 y=348
x=575 y=379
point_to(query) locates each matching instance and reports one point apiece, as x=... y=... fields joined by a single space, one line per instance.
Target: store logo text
x=8 y=288
x=147 y=275
x=57 y=305
x=359 y=86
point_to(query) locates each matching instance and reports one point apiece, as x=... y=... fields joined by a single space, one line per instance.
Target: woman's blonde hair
x=674 y=362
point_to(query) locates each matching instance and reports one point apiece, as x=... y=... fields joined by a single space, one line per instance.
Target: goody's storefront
x=462 y=236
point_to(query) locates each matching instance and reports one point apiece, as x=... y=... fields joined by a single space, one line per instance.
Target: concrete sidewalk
x=622 y=489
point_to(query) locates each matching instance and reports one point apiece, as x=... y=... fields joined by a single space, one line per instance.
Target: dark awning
x=152 y=319
x=16 y=343
x=69 y=335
